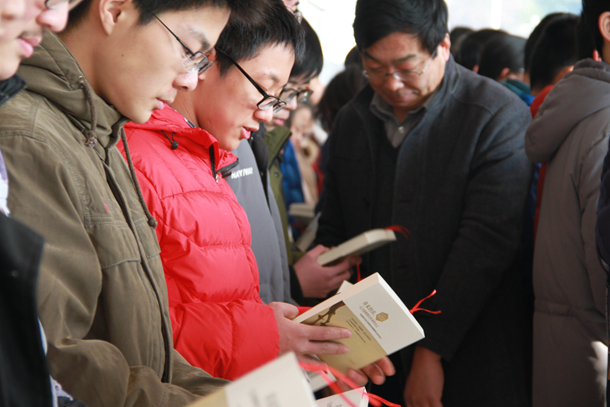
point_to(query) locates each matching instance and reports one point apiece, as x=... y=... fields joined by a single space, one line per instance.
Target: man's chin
x=9 y=63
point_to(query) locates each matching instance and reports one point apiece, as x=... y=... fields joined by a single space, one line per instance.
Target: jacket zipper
x=224 y=171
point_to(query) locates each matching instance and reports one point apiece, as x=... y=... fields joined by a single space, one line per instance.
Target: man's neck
x=82 y=51
x=184 y=104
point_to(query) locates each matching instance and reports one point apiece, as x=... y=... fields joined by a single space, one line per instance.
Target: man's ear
x=604 y=29
x=446 y=47
x=110 y=11
x=504 y=73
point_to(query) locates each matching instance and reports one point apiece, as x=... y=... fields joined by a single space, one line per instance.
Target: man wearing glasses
x=439 y=150
x=102 y=295
x=182 y=158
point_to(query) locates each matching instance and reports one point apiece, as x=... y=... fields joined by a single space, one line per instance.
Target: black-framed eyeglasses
x=196 y=61
x=51 y=4
x=302 y=95
x=378 y=75
x=268 y=101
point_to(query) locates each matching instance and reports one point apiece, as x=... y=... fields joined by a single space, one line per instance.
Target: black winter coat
x=461 y=183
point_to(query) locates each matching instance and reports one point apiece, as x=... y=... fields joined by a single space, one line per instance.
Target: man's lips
x=246 y=132
x=28 y=44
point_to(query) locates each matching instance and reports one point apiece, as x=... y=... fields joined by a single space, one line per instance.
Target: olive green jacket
x=102 y=294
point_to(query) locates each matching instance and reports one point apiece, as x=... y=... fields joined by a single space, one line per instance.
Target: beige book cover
x=280 y=383
x=379 y=322
x=358 y=397
x=302 y=211
x=363 y=243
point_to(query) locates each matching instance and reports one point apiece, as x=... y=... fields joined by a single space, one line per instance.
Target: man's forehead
x=395 y=48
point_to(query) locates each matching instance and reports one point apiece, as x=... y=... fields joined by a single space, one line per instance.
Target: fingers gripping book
x=379 y=321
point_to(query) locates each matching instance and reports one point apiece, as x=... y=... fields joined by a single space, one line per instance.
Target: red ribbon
x=416 y=307
x=321 y=369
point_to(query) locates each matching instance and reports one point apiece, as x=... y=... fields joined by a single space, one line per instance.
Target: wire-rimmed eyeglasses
x=268 y=100
x=196 y=61
x=379 y=75
x=302 y=95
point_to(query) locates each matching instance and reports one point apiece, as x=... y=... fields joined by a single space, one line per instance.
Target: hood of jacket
x=585 y=90
x=197 y=140
x=54 y=73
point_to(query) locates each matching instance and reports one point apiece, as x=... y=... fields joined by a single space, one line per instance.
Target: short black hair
x=502 y=51
x=376 y=19
x=242 y=39
x=149 y=8
x=469 y=54
x=591 y=10
x=556 y=49
x=532 y=40
x=312 y=62
x=457 y=36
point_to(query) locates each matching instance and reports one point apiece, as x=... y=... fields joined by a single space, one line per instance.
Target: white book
x=344 y=286
x=280 y=383
x=363 y=243
x=379 y=322
x=358 y=397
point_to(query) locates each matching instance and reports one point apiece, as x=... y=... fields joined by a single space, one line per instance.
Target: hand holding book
x=318 y=281
x=305 y=339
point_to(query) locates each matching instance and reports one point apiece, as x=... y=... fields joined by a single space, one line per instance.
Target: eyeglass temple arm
x=191 y=53
x=256 y=85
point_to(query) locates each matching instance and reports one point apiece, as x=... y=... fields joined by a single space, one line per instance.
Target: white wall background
x=332 y=20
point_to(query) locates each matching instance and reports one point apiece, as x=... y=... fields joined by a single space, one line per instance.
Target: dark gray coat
x=460 y=188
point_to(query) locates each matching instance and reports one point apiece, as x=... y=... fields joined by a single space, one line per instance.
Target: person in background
x=437 y=149
x=102 y=297
x=340 y=90
x=469 y=54
x=555 y=53
x=457 y=36
x=307 y=151
x=308 y=280
x=570 y=351
x=502 y=60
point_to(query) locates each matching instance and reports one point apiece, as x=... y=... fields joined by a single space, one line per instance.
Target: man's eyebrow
x=395 y=61
x=201 y=36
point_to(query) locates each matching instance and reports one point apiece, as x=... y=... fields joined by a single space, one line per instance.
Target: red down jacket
x=219 y=321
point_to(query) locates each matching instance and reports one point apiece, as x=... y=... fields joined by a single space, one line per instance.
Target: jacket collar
x=10 y=87
x=275 y=140
x=54 y=73
x=195 y=140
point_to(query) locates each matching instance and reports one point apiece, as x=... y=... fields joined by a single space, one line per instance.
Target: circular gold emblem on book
x=382 y=316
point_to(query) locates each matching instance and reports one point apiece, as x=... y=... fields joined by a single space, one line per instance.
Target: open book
x=379 y=322
x=280 y=383
x=363 y=243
